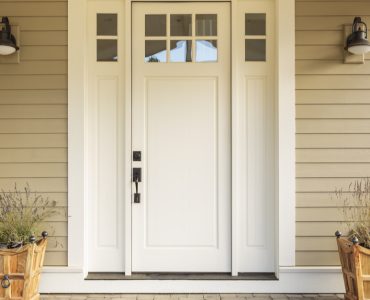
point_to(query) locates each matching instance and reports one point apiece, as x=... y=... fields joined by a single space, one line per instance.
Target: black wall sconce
x=357 y=42
x=8 y=44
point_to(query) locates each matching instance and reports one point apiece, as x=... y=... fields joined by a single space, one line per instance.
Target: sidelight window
x=106 y=43
x=255 y=37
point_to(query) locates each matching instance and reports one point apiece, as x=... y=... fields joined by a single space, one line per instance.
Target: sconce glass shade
x=357 y=42
x=8 y=44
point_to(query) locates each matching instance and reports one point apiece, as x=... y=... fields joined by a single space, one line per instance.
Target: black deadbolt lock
x=136 y=156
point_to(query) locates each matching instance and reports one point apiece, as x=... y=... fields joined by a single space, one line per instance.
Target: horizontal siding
x=33 y=113
x=33 y=155
x=21 y=97
x=34 y=8
x=41 y=23
x=317 y=258
x=317 y=229
x=44 y=38
x=17 y=126
x=332 y=124
x=41 y=53
x=317 y=200
x=333 y=96
x=34 y=82
x=316 y=244
x=316 y=22
x=332 y=8
x=322 y=185
x=329 y=67
x=332 y=140
x=34 y=140
x=332 y=156
x=35 y=68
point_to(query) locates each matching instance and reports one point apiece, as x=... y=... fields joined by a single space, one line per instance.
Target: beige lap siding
x=333 y=123
x=33 y=111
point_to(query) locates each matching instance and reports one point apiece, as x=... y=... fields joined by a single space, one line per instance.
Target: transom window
x=181 y=38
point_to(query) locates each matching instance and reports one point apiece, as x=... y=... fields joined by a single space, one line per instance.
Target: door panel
x=181 y=124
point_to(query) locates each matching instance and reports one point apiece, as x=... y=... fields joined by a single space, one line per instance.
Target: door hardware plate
x=136 y=156
x=136 y=173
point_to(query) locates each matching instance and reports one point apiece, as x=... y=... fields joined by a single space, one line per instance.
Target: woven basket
x=20 y=271
x=355 y=262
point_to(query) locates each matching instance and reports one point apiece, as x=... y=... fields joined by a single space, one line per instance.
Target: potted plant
x=354 y=249
x=21 y=254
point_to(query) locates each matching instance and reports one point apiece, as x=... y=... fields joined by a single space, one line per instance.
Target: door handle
x=136 y=177
x=136 y=194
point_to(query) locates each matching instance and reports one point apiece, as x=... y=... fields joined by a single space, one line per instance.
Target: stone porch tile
x=229 y=296
x=278 y=296
x=211 y=296
x=178 y=296
x=195 y=296
x=145 y=297
x=162 y=297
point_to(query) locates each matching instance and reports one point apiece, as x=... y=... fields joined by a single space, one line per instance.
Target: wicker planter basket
x=355 y=262
x=20 y=271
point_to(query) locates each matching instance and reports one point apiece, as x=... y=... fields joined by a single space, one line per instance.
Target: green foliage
x=21 y=213
x=356 y=210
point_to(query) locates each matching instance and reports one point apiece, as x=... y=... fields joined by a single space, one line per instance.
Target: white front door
x=181 y=124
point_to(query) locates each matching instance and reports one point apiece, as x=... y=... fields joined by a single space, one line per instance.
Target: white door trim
x=77 y=146
x=292 y=280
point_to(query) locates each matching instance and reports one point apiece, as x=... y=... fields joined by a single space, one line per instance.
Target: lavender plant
x=356 y=210
x=21 y=214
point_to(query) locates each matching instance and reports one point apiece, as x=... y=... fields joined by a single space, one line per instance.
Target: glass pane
x=155 y=25
x=180 y=25
x=206 y=25
x=180 y=51
x=255 y=50
x=255 y=24
x=155 y=51
x=107 y=50
x=206 y=51
x=106 y=24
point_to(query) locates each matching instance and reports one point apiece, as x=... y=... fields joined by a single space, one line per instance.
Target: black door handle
x=136 y=177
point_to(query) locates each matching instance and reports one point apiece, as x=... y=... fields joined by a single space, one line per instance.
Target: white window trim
x=77 y=147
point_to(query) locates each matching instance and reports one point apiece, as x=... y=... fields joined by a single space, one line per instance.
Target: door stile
x=128 y=140
x=234 y=142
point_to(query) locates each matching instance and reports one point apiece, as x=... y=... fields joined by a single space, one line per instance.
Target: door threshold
x=180 y=276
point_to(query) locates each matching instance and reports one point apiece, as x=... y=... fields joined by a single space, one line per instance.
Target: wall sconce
x=8 y=44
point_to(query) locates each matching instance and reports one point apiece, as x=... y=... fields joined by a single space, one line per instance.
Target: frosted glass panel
x=206 y=51
x=180 y=51
x=155 y=51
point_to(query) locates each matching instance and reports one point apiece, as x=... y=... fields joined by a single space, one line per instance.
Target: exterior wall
x=33 y=111
x=333 y=129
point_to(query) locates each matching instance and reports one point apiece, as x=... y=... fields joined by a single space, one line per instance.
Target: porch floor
x=192 y=296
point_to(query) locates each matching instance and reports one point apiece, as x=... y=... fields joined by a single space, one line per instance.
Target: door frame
x=285 y=134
